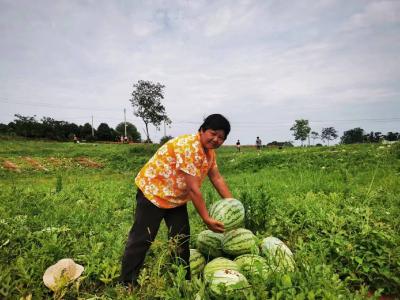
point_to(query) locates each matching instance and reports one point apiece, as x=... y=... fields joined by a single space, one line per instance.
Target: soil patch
x=86 y=162
x=8 y=165
x=34 y=163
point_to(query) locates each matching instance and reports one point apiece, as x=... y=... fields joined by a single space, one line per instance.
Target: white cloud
x=376 y=14
x=254 y=61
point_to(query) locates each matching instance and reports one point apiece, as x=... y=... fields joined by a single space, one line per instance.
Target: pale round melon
x=219 y=263
x=279 y=256
x=227 y=282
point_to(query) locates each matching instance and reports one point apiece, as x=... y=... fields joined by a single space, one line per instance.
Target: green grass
x=336 y=207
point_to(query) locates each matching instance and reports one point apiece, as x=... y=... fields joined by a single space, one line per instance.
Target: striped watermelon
x=228 y=211
x=228 y=283
x=197 y=262
x=251 y=264
x=279 y=256
x=220 y=263
x=239 y=241
x=209 y=243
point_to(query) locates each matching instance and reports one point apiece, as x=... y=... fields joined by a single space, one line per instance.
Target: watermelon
x=279 y=256
x=219 y=263
x=251 y=264
x=227 y=283
x=197 y=262
x=228 y=211
x=239 y=241
x=209 y=243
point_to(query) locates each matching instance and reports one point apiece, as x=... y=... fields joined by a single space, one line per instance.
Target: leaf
x=359 y=260
x=286 y=281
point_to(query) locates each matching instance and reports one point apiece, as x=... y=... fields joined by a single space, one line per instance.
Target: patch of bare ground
x=54 y=161
x=86 y=162
x=8 y=165
x=35 y=164
x=58 y=162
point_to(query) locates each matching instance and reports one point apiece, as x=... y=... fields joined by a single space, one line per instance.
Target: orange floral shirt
x=162 y=180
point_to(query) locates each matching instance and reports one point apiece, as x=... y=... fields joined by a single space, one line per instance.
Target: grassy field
x=337 y=208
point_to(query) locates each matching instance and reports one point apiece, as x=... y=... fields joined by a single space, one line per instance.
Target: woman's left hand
x=214 y=225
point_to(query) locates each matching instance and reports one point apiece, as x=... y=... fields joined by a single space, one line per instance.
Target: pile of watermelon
x=227 y=260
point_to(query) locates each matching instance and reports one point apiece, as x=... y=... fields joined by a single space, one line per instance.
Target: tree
x=27 y=126
x=131 y=131
x=314 y=135
x=104 y=132
x=329 y=134
x=373 y=137
x=85 y=132
x=70 y=129
x=146 y=102
x=5 y=129
x=165 y=139
x=58 y=130
x=301 y=130
x=392 y=136
x=279 y=144
x=352 y=136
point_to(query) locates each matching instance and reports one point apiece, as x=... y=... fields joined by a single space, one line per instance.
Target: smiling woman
x=171 y=178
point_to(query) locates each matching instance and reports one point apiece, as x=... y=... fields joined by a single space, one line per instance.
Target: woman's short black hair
x=216 y=122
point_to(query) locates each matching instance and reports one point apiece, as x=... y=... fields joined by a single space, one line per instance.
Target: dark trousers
x=148 y=218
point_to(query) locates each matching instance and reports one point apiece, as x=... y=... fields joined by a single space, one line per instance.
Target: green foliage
x=314 y=135
x=301 y=129
x=4 y=129
x=390 y=136
x=131 y=131
x=352 y=136
x=47 y=128
x=335 y=207
x=146 y=102
x=105 y=133
x=85 y=132
x=59 y=184
x=373 y=137
x=26 y=126
x=329 y=134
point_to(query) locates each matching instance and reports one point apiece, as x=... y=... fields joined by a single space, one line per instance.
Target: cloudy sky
x=263 y=64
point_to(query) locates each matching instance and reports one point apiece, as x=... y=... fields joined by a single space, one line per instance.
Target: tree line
x=49 y=128
x=302 y=131
x=146 y=103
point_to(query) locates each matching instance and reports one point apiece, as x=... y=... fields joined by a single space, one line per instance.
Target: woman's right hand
x=214 y=225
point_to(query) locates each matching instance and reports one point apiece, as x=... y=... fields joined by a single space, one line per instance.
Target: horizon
x=262 y=64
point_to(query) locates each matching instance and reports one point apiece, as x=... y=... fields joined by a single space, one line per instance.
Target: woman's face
x=212 y=139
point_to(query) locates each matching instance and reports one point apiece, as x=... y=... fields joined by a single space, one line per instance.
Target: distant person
x=238 y=145
x=126 y=140
x=258 y=144
x=76 y=139
x=171 y=178
x=121 y=139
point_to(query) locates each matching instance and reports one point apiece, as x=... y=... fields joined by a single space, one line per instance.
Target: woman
x=170 y=179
